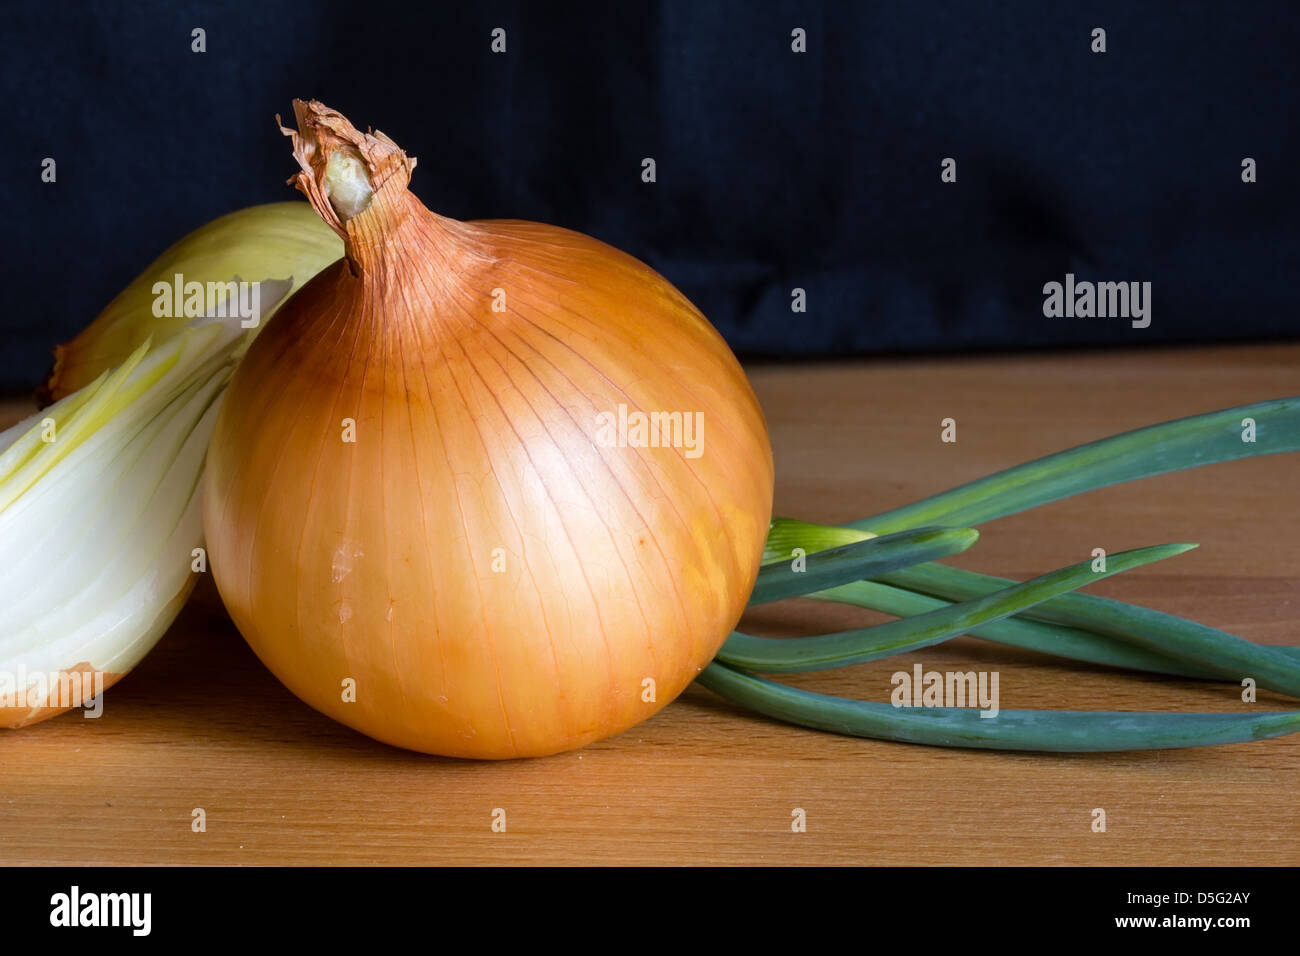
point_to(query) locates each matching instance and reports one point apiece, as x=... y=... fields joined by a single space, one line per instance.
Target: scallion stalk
x=1155 y=450
x=864 y=558
x=1054 y=639
x=1032 y=730
x=784 y=655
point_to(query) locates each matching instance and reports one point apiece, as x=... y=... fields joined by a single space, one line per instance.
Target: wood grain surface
x=200 y=723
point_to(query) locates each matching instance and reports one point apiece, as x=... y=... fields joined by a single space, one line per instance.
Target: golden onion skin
x=492 y=579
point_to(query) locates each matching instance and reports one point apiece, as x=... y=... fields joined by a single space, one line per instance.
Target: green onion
x=1218 y=652
x=1154 y=450
x=1080 y=626
x=1054 y=639
x=785 y=655
x=1195 y=650
x=1042 y=730
x=787 y=535
x=861 y=559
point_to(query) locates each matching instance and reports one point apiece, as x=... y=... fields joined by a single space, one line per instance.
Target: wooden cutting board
x=200 y=723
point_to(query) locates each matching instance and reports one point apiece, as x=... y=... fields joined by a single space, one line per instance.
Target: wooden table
x=201 y=724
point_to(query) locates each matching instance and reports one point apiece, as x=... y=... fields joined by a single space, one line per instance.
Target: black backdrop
x=775 y=169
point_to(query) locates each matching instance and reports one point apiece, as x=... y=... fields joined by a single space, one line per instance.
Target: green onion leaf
x=1155 y=450
x=1033 y=730
x=1055 y=639
x=1215 y=651
x=861 y=559
x=795 y=655
x=786 y=535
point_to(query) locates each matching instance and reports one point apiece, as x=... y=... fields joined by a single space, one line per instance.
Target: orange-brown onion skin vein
x=475 y=431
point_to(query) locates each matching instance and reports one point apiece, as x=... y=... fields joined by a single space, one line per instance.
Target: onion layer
x=432 y=506
x=100 y=519
x=276 y=239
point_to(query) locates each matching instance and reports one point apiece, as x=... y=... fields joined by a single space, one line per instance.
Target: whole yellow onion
x=483 y=489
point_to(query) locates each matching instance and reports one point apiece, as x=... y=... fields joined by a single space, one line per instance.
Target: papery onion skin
x=495 y=581
x=276 y=239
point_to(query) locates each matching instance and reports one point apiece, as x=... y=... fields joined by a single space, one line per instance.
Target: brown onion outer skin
x=376 y=561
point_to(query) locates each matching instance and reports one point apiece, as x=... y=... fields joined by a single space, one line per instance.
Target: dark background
x=775 y=169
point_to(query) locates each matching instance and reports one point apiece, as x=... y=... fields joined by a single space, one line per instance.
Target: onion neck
x=357 y=183
x=346 y=183
x=397 y=232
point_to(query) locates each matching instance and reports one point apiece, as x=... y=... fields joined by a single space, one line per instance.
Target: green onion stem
x=1227 y=655
x=1155 y=450
x=781 y=655
x=1054 y=639
x=861 y=559
x=1081 y=626
x=1033 y=730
